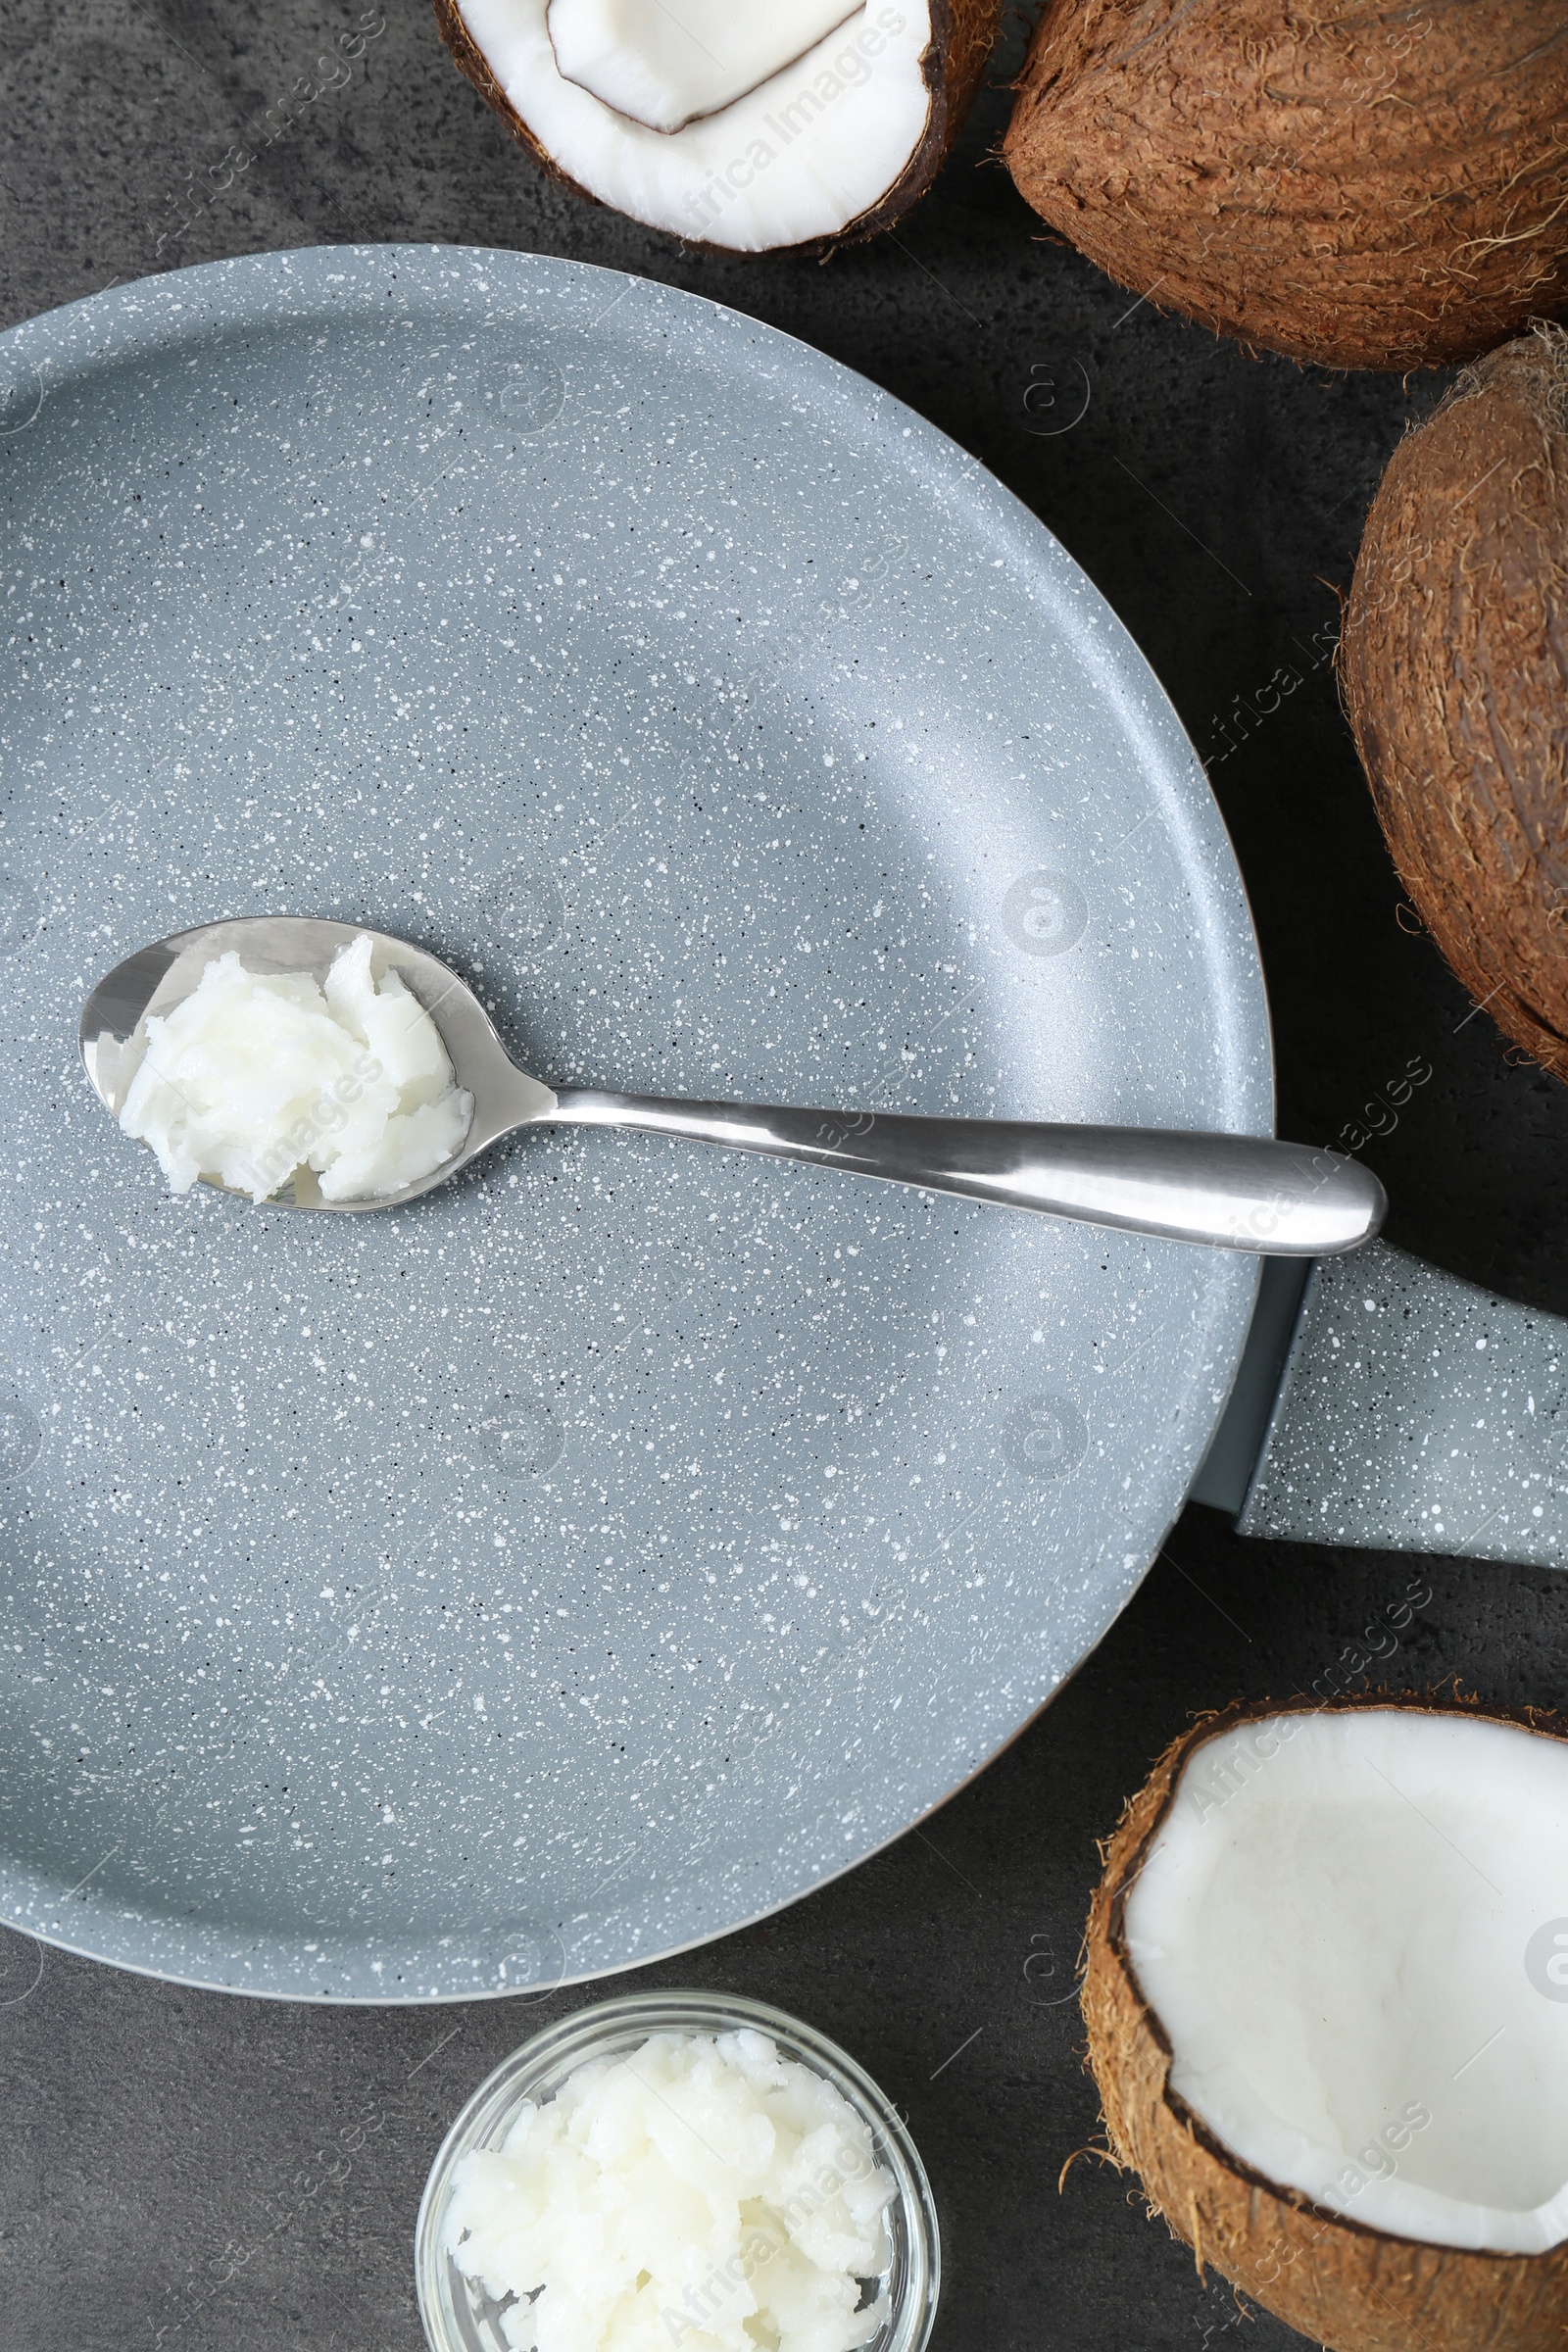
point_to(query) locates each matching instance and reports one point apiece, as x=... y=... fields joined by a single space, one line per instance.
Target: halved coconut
x=1327 y=2000
x=745 y=125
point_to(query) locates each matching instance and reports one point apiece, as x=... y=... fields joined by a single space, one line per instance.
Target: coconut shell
x=1360 y=184
x=1342 y=2286
x=964 y=33
x=1454 y=662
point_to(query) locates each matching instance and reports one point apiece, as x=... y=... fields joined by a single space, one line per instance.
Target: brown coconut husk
x=1342 y=2286
x=1454 y=664
x=1362 y=184
x=963 y=36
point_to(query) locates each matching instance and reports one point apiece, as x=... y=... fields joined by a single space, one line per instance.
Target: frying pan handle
x=1397 y=1408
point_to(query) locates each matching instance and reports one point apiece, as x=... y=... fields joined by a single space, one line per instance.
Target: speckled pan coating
x=626 y=1538
x=1417 y=1413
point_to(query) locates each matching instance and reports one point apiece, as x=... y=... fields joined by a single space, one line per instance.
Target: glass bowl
x=460 y=2317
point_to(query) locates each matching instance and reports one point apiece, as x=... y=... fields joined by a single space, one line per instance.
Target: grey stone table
x=181 y=2170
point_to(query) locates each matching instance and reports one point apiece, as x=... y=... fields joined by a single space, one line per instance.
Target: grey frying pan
x=610 y=1547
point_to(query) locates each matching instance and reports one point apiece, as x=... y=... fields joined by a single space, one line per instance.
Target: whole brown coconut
x=1455 y=668
x=1360 y=184
x=1342 y=2286
x=963 y=34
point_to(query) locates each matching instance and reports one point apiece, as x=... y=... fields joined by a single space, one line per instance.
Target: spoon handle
x=1232 y=1191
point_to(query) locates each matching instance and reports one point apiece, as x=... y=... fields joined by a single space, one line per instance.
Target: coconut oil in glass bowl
x=460 y=2316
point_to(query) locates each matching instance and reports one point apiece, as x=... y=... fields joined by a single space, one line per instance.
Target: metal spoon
x=1232 y=1191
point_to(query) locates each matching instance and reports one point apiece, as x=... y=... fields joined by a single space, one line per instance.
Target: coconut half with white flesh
x=748 y=126
x=1327 y=2001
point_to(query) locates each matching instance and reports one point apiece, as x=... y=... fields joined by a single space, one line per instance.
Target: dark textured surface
x=183 y=2170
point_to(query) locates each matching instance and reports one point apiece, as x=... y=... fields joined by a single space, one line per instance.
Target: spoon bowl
x=1230 y=1192
x=156 y=979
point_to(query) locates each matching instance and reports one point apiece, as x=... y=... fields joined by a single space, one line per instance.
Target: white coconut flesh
x=793 y=159
x=1352 y=1929
x=665 y=62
